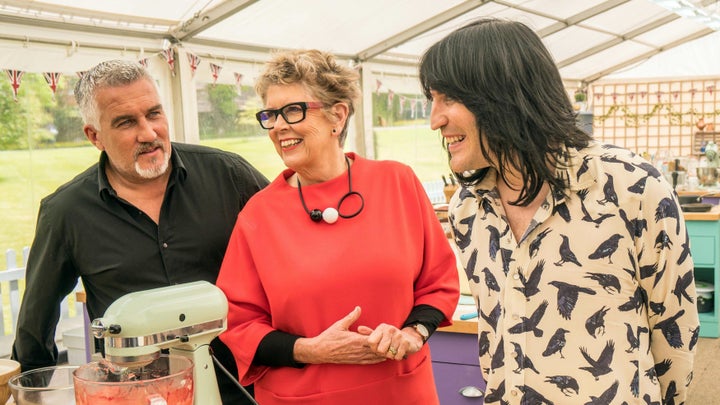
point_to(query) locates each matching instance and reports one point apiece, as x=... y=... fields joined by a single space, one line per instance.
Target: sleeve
x=673 y=331
x=49 y=277
x=437 y=284
x=248 y=319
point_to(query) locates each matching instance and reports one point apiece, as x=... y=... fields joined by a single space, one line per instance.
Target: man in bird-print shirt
x=576 y=252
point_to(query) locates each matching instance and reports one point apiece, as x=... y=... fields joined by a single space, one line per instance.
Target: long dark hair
x=501 y=71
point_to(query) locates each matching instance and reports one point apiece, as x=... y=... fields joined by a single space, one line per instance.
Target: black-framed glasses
x=292 y=113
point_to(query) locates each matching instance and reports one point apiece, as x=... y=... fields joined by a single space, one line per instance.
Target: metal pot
x=707 y=176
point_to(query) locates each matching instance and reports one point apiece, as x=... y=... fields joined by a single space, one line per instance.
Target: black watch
x=422 y=330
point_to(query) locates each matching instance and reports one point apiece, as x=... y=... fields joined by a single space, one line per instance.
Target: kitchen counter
x=712 y=215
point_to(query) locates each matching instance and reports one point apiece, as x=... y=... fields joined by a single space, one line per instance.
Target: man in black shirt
x=149 y=214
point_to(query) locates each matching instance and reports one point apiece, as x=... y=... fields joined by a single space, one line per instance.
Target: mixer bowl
x=168 y=380
x=707 y=176
x=44 y=386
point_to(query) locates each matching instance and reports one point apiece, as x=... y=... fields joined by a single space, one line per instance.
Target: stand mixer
x=183 y=318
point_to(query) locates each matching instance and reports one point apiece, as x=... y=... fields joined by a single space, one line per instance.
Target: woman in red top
x=338 y=271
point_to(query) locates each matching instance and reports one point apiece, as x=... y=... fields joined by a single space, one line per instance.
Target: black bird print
x=681 y=285
x=495 y=394
x=530 y=285
x=607 y=248
x=663 y=367
x=670 y=394
x=601 y=366
x=685 y=252
x=506 y=256
x=595 y=324
x=487 y=207
x=462 y=240
x=635 y=302
x=556 y=343
x=609 y=191
x=658 y=308
x=492 y=317
x=498 y=359
x=586 y=214
x=563 y=211
x=534 y=246
x=632 y=338
x=639 y=186
x=465 y=193
x=522 y=361
x=606 y=397
x=667 y=208
x=635 y=383
x=635 y=226
x=567 y=297
x=493 y=241
x=651 y=374
x=608 y=282
x=649 y=168
x=470 y=266
x=530 y=324
x=631 y=255
x=490 y=281
x=659 y=274
x=670 y=330
x=566 y=384
x=566 y=255
x=648 y=401
x=694 y=337
x=583 y=166
x=662 y=241
x=613 y=159
x=483 y=343
x=532 y=397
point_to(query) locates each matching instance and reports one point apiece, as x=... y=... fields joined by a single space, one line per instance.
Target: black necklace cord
x=316 y=215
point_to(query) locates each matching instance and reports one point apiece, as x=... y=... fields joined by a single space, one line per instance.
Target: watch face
x=422 y=330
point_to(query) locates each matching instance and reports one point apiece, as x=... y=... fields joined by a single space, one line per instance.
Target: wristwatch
x=422 y=330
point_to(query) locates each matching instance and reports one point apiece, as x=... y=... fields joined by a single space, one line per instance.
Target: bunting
x=390 y=98
x=143 y=62
x=194 y=61
x=15 y=76
x=378 y=84
x=81 y=73
x=238 y=82
x=52 y=79
x=215 y=70
x=169 y=56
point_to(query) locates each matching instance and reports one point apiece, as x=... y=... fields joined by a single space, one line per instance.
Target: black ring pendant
x=316 y=215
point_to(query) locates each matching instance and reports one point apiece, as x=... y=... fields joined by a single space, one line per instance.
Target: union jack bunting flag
x=14 y=76
x=52 y=79
x=81 y=73
x=144 y=62
x=169 y=56
x=215 y=70
x=194 y=61
x=238 y=82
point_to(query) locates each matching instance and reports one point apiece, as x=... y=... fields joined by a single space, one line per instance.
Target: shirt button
x=513 y=354
x=516 y=276
x=165 y=245
x=515 y=317
x=514 y=393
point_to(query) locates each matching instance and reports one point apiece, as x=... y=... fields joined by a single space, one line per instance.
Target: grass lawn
x=28 y=176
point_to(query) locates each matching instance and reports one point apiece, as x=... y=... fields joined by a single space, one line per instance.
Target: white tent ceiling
x=589 y=39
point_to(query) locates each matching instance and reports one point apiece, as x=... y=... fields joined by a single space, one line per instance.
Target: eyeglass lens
x=291 y=113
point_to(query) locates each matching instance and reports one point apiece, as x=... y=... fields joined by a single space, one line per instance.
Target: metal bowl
x=707 y=176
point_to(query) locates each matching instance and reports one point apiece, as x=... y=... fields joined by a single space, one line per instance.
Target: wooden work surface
x=712 y=215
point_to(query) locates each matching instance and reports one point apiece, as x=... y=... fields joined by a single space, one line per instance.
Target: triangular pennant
x=169 y=56
x=194 y=62
x=52 y=79
x=15 y=76
x=238 y=82
x=81 y=73
x=143 y=62
x=215 y=70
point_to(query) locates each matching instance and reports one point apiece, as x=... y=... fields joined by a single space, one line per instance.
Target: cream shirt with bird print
x=595 y=304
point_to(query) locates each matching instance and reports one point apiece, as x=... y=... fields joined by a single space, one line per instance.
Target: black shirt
x=84 y=230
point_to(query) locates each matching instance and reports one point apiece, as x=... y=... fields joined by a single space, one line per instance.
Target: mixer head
x=137 y=325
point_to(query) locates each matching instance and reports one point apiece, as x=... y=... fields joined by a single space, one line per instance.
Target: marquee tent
x=229 y=40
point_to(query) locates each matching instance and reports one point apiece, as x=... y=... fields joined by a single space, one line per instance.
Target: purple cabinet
x=455 y=366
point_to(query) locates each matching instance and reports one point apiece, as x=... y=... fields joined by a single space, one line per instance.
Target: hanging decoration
x=143 y=62
x=390 y=98
x=402 y=103
x=52 y=79
x=215 y=71
x=15 y=76
x=238 y=82
x=378 y=84
x=169 y=56
x=81 y=73
x=194 y=61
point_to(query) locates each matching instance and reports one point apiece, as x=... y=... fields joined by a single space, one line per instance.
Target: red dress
x=284 y=272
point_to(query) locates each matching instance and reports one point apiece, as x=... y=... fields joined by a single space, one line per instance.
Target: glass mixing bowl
x=44 y=386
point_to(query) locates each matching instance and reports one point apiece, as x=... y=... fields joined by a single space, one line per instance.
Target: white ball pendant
x=330 y=215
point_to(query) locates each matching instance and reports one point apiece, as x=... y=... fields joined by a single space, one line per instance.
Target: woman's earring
x=334 y=130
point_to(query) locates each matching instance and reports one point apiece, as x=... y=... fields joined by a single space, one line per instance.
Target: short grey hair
x=111 y=73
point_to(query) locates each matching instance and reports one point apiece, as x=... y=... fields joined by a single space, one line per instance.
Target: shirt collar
x=179 y=172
